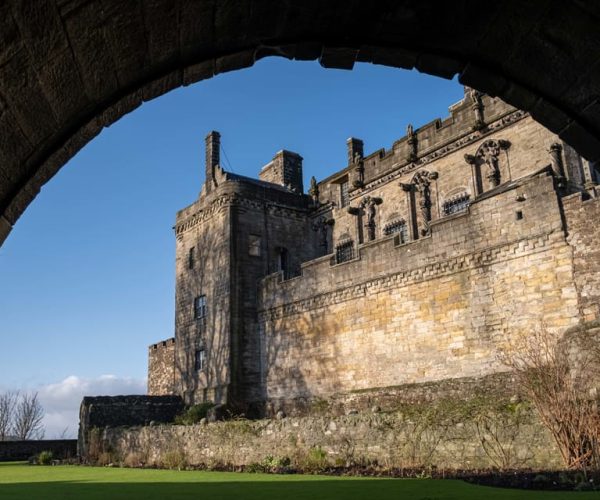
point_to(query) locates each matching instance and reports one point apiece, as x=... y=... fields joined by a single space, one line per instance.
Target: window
x=457 y=204
x=199 y=359
x=254 y=245
x=191 y=257
x=344 y=198
x=397 y=227
x=344 y=252
x=200 y=307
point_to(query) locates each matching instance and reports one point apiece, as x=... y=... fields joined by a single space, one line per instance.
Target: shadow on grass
x=296 y=488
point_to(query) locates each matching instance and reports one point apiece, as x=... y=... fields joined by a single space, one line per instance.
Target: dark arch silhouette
x=68 y=68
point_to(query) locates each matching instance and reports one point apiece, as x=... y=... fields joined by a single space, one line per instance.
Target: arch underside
x=69 y=68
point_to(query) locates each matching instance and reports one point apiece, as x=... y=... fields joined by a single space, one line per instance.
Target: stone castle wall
x=582 y=216
x=436 y=308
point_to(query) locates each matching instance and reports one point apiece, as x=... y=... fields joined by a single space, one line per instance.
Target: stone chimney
x=354 y=146
x=212 y=150
x=284 y=169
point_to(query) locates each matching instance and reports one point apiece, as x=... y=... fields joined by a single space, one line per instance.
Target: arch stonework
x=69 y=68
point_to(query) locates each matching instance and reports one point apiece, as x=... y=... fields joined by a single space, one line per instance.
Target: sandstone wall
x=582 y=217
x=436 y=308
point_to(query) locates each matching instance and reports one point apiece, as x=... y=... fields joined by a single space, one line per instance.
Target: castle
x=409 y=265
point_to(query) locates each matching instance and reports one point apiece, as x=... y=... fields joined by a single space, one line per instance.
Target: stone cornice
x=486 y=256
x=235 y=200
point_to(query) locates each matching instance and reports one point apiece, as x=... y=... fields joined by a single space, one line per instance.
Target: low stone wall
x=111 y=411
x=445 y=435
x=22 y=450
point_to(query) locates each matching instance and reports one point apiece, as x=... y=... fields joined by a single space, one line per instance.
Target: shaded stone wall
x=111 y=411
x=22 y=450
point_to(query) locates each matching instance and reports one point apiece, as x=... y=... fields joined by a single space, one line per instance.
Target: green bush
x=45 y=458
x=194 y=414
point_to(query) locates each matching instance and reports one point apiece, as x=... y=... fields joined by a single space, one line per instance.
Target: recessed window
x=191 y=257
x=200 y=359
x=397 y=227
x=519 y=215
x=344 y=252
x=457 y=204
x=344 y=197
x=254 y=245
x=200 y=308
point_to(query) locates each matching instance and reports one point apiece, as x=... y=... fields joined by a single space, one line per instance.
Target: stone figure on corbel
x=322 y=225
x=477 y=106
x=359 y=170
x=313 y=190
x=369 y=204
x=487 y=154
x=422 y=182
x=412 y=141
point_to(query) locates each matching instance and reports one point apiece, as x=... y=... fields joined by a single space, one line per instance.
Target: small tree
x=8 y=402
x=28 y=417
x=562 y=391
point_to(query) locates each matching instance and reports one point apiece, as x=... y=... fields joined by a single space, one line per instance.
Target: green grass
x=20 y=481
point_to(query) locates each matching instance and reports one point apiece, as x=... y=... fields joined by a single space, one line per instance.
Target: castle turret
x=284 y=169
x=212 y=149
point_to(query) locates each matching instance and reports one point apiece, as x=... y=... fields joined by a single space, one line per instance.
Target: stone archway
x=69 y=68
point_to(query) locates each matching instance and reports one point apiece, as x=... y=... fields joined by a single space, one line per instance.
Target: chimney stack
x=354 y=146
x=213 y=148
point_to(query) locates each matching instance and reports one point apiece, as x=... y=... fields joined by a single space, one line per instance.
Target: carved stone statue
x=411 y=140
x=489 y=153
x=322 y=225
x=359 y=168
x=475 y=96
x=368 y=204
x=313 y=191
x=422 y=182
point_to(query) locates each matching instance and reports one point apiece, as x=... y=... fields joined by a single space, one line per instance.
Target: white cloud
x=61 y=400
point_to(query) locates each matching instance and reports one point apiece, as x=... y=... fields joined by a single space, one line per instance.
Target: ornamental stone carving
x=422 y=182
x=412 y=141
x=368 y=204
x=489 y=153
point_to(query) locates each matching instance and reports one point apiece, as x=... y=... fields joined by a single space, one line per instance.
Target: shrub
x=316 y=460
x=194 y=414
x=44 y=458
x=174 y=459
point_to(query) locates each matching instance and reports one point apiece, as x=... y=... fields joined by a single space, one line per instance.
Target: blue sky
x=87 y=275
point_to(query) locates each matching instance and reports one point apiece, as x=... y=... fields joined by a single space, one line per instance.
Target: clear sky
x=87 y=274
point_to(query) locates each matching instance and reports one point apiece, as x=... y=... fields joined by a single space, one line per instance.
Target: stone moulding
x=465 y=262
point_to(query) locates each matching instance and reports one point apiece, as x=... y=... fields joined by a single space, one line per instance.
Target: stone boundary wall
x=110 y=411
x=22 y=450
x=391 y=439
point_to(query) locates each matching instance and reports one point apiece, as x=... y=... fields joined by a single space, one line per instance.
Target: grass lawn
x=21 y=481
